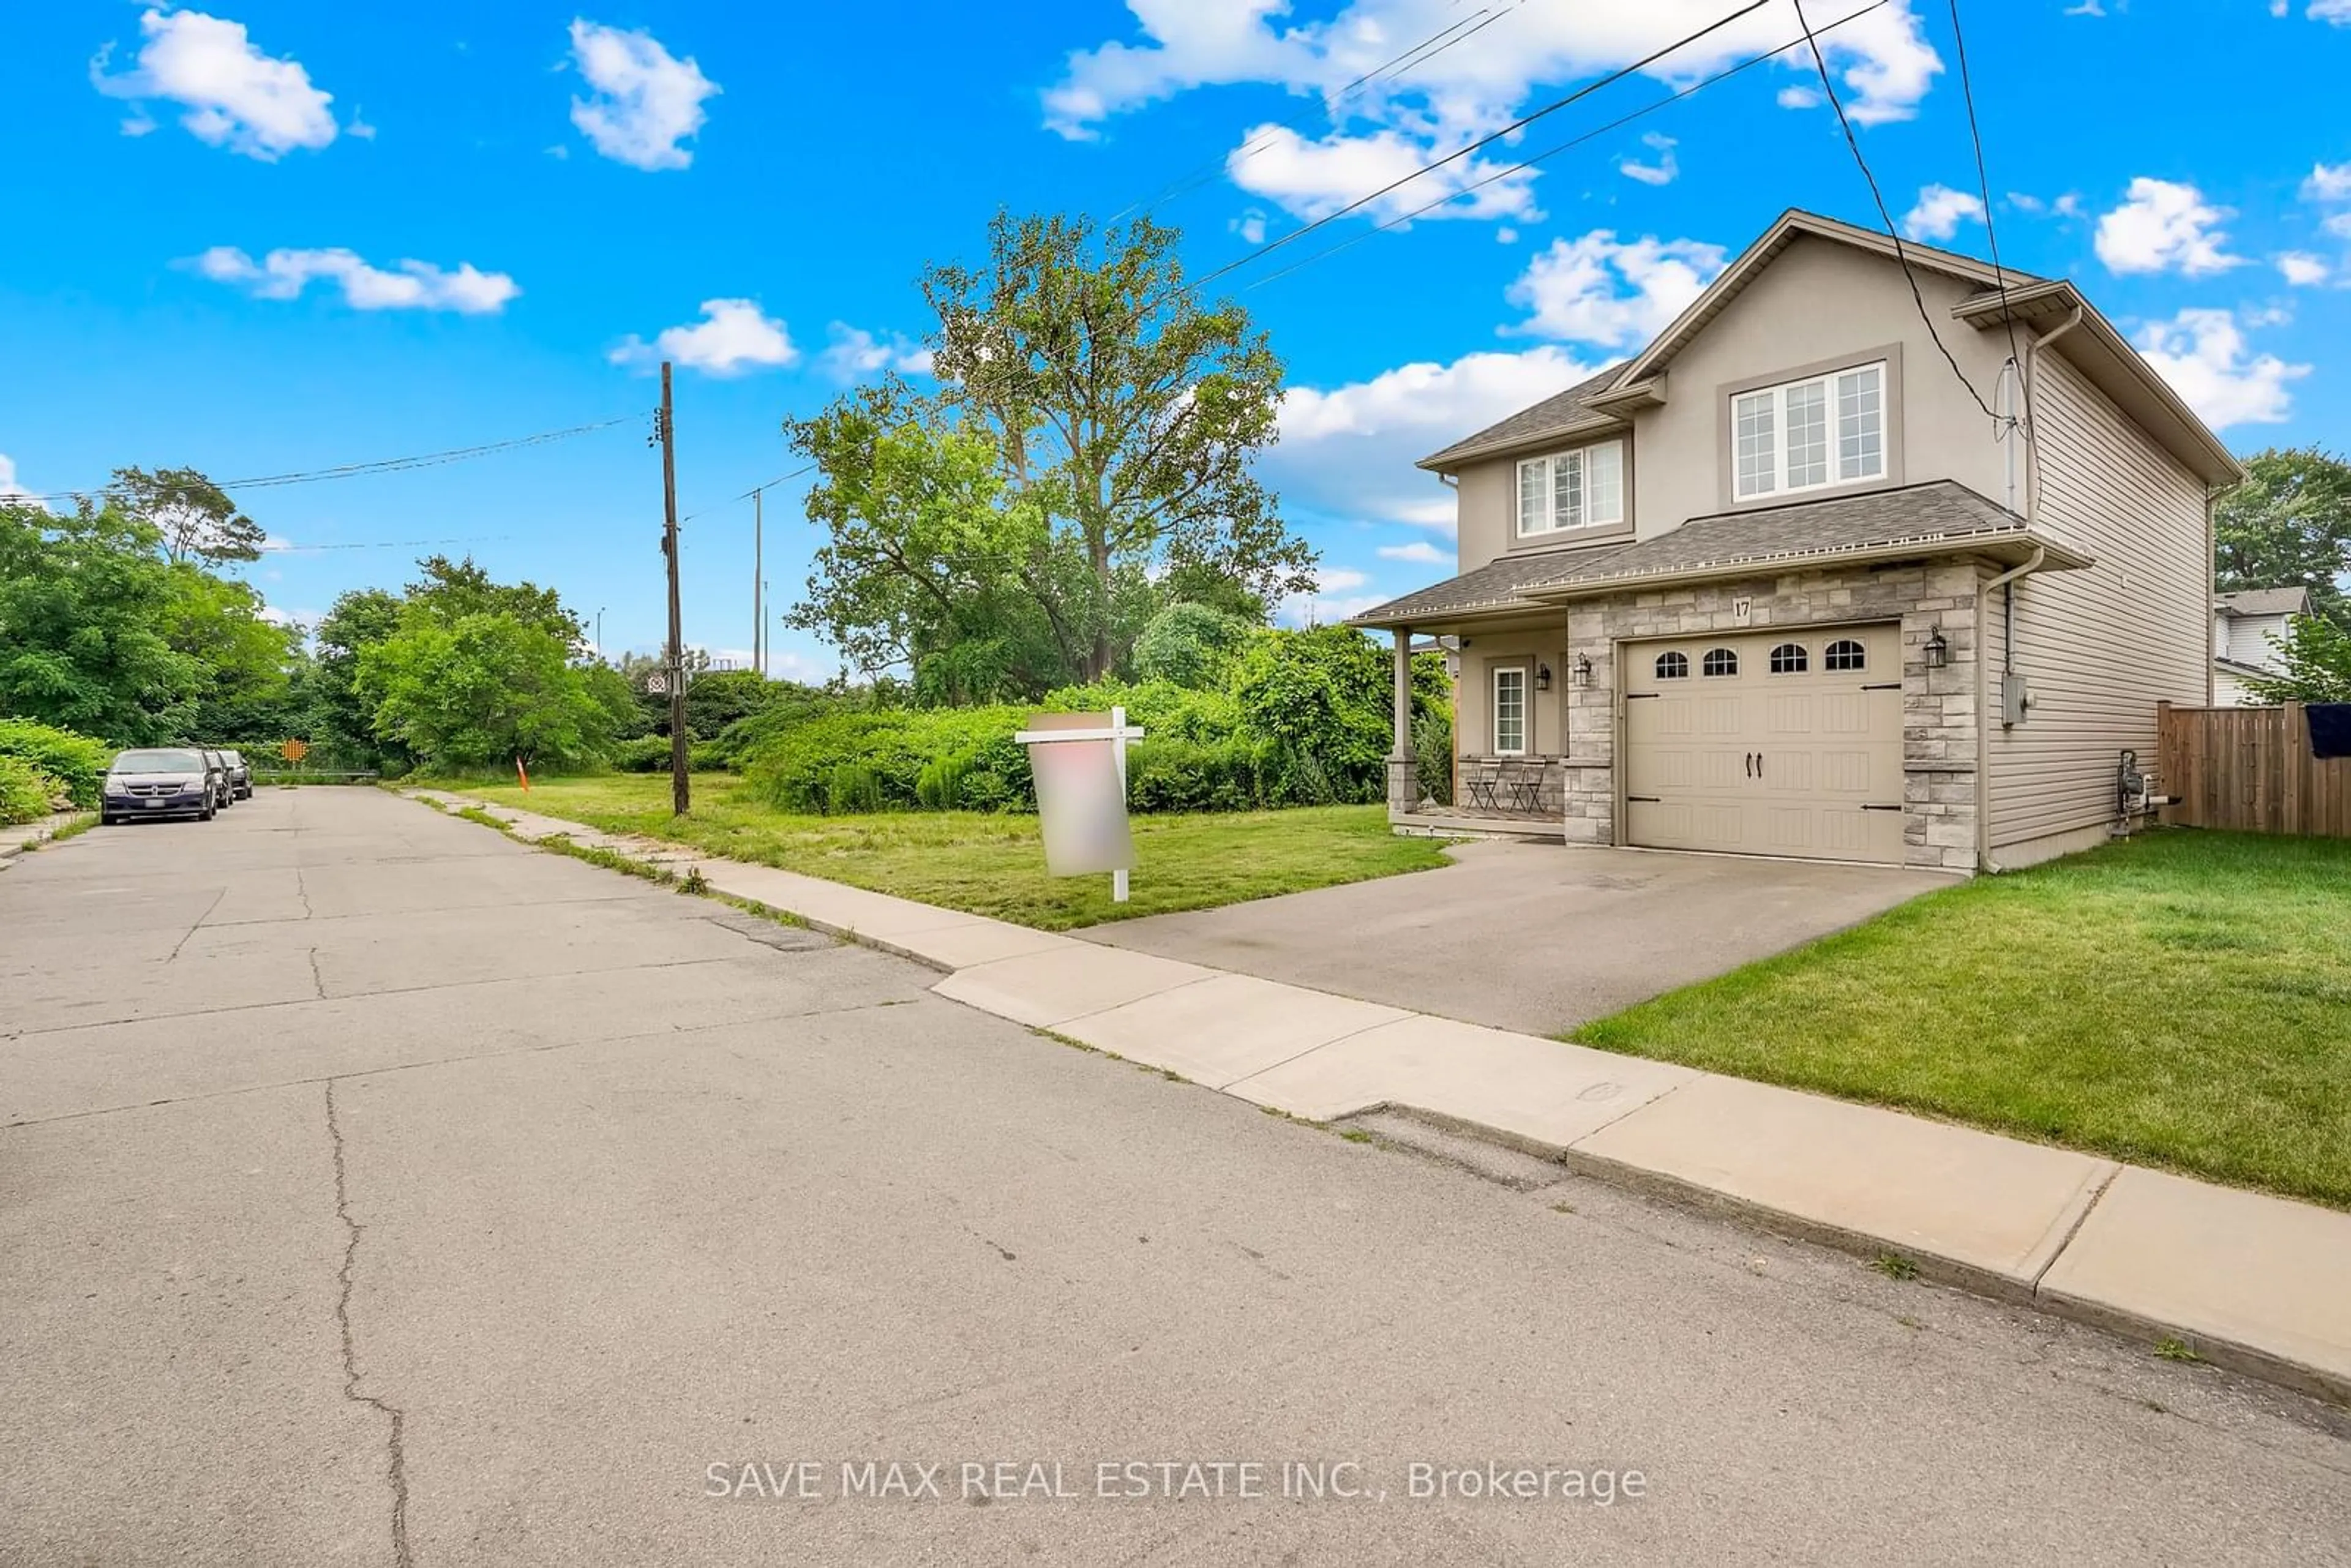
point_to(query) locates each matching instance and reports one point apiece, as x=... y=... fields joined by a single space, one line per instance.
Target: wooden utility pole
x=680 y=792
x=758 y=610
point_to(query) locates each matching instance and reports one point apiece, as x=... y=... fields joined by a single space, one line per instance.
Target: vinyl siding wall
x=2099 y=648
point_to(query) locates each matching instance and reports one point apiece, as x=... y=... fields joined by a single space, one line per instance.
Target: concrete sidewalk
x=2258 y=1283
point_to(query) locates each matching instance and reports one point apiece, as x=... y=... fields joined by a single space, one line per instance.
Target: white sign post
x=1079 y=760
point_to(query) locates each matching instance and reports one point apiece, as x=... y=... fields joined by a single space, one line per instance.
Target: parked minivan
x=159 y=782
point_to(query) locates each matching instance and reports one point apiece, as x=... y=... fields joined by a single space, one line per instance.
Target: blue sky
x=263 y=237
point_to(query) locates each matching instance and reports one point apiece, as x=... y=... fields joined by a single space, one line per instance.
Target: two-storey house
x=2247 y=627
x=1858 y=561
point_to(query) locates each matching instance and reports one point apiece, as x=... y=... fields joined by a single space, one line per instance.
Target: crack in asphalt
x=396 y=1455
x=182 y=941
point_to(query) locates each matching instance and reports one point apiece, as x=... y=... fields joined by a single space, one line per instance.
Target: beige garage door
x=1772 y=743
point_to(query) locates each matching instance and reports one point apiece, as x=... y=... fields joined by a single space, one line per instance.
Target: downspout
x=2006 y=582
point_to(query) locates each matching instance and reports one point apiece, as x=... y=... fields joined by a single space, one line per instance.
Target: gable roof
x=2263 y=602
x=1942 y=516
x=1554 y=415
x=2002 y=294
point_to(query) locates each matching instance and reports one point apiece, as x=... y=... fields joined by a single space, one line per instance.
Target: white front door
x=1786 y=742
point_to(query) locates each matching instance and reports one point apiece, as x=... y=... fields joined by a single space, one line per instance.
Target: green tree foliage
x=1087 y=461
x=192 y=515
x=2288 y=525
x=85 y=604
x=77 y=762
x=2316 y=654
x=1189 y=644
x=449 y=590
x=481 y=691
x=246 y=660
x=338 y=715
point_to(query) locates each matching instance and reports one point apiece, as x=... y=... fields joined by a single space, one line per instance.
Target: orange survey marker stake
x=523 y=776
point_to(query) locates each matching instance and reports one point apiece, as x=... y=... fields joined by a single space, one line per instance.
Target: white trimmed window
x=1580 y=489
x=1809 y=434
x=1510 y=710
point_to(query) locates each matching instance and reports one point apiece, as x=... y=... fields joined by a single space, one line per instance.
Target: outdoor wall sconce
x=1582 y=673
x=1937 y=651
x=1542 y=677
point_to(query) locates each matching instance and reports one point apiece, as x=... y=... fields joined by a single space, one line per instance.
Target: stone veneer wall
x=1939 y=716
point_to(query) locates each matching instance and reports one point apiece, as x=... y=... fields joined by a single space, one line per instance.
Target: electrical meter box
x=2013 y=699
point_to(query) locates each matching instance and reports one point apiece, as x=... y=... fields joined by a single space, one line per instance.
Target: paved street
x=374 y=1189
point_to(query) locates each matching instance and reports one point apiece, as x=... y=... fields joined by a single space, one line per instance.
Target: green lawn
x=2183 y=1000
x=993 y=864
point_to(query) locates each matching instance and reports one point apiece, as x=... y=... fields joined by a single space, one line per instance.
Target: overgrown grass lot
x=2182 y=999
x=995 y=864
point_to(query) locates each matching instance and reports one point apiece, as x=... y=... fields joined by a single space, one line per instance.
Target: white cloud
x=1800 y=97
x=2086 y=8
x=1326 y=610
x=1940 y=213
x=359 y=128
x=1338 y=580
x=1662 y=172
x=646 y=101
x=235 y=95
x=1478 y=81
x=1314 y=178
x=1596 y=291
x=2203 y=354
x=2327 y=182
x=1348 y=450
x=2301 y=269
x=413 y=286
x=856 y=353
x=2335 y=12
x=2163 y=227
x=1420 y=552
x=733 y=337
x=9 y=489
x=1250 y=225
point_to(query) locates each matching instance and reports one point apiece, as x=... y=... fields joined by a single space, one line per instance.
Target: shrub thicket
x=75 y=762
x=26 y=794
x=1302 y=718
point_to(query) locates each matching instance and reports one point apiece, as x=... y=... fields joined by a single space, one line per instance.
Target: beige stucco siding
x=1818 y=303
x=1472 y=722
x=2101 y=647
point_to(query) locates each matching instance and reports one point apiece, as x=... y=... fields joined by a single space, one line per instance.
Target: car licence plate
x=151 y=804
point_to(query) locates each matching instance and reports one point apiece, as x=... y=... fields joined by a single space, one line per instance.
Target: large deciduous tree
x=193 y=517
x=85 y=606
x=2288 y=525
x=1087 y=460
x=482 y=690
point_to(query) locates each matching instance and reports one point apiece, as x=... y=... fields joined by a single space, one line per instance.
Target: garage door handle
x=1748 y=760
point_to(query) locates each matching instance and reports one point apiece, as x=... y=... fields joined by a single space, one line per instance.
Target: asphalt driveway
x=1534 y=937
x=376 y=1190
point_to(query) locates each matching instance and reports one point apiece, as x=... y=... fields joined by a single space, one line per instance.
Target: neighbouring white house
x=1871 y=555
x=2247 y=626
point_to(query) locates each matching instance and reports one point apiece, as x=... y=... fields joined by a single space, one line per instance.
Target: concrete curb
x=27 y=836
x=2259 y=1285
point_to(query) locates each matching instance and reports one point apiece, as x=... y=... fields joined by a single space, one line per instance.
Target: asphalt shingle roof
x=1529 y=423
x=2264 y=601
x=1943 y=512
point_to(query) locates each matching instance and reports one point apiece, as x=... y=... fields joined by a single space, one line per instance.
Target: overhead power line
x=1556 y=148
x=1983 y=182
x=1892 y=232
x=380 y=465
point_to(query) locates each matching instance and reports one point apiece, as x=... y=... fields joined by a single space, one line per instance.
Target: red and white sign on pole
x=1079 y=763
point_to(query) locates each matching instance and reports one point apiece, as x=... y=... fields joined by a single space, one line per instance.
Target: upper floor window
x=1807 y=434
x=1580 y=489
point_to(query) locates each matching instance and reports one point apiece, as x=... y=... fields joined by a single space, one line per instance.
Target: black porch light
x=1542 y=677
x=1938 y=651
x=1581 y=671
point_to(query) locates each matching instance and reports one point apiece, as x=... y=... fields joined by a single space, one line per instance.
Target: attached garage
x=1785 y=742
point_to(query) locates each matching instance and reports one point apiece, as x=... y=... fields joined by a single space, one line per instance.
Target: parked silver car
x=240 y=776
x=162 y=781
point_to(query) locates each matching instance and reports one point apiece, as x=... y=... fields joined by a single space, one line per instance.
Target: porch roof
x=1942 y=517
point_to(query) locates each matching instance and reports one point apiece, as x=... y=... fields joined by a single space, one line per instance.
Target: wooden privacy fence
x=2249 y=769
